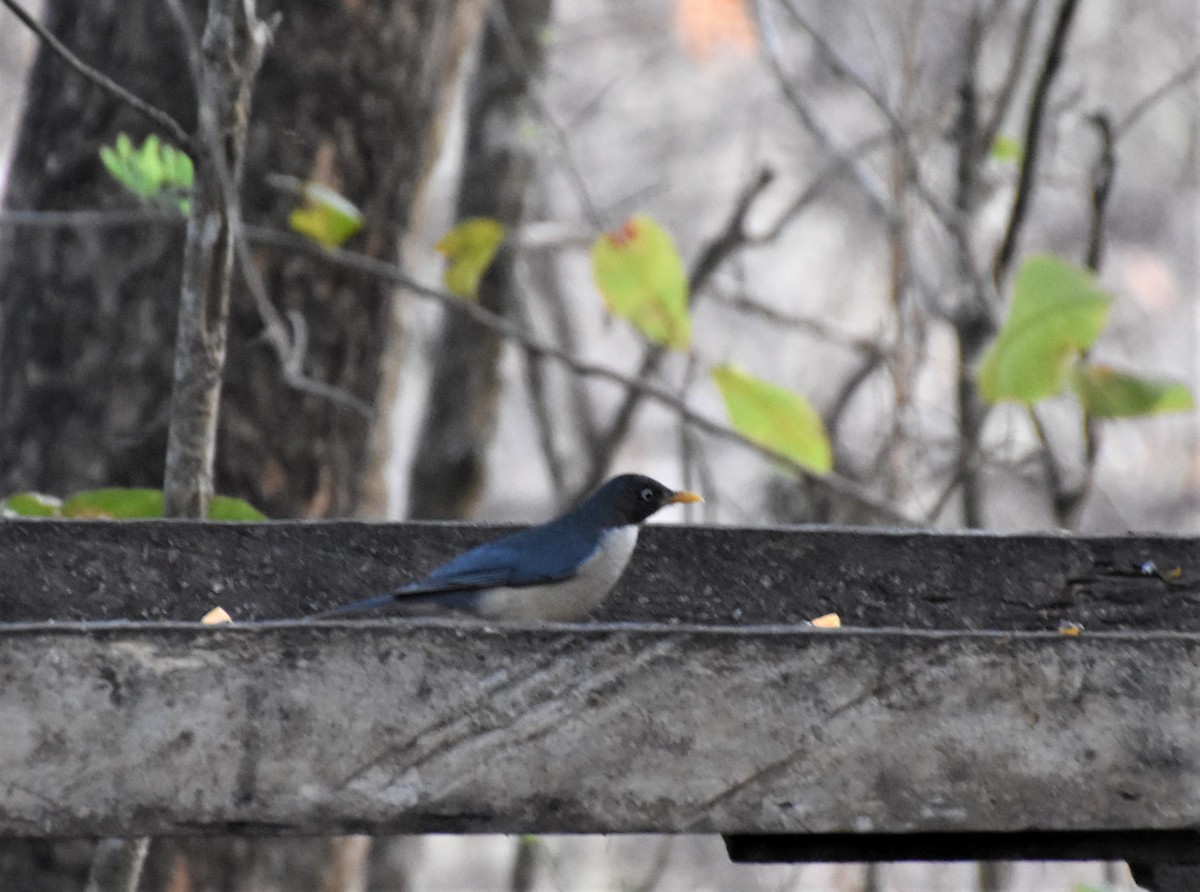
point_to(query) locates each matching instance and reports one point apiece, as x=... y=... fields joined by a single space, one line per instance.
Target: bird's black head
x=631 y=498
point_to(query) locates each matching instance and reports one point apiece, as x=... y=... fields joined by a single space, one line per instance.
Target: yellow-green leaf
x=1007 y=149
x=775 y=417
x=327 y=217
x=157 y=171
x=1057 y=311
x=642 y=279
x=229 y=508
x=30 y=504
x=120 y=503
x=1105 y=392
x=469 y=249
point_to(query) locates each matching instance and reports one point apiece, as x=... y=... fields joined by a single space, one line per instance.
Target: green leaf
x=229 y=508
x=114 y=503
x=119 y=503
x=156 y=172
x=1105 y=392
x=1007 y=149
x=327 y=217
x=30 y=504
x=775 y=417
x=469 y=249
x=178 y=168
x=149 y=160
x=1057 y=312
x=642 y=279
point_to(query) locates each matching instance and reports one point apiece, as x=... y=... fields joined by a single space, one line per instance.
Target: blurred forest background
x=853 y=188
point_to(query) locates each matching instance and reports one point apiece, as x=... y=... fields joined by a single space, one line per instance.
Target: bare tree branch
x=141 y=106
x=1147 y=102
x=227 y=62
x=1103 y=171
x=972 y=318
x=89 y=219
x=516 y=58
x=1068 y=502
x=814 y=327
x=1032 y=144
x=989 y=128
x=872 y=189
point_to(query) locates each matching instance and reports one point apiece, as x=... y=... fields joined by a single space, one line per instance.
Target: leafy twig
x=732 y=236
x=389 y=272
x=1147 y=102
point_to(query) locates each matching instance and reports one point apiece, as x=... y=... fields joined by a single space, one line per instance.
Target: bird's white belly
x=572 y=598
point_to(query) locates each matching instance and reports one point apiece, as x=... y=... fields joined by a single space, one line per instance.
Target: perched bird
x=560 y=570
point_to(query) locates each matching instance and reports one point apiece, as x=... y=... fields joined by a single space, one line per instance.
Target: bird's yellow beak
x=683 y=495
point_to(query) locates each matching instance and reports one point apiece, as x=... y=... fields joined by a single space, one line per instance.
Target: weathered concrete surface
x=919 y=580
x=442 y=726
x=703 y=709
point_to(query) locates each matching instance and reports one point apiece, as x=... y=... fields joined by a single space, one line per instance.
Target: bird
x=557 y=572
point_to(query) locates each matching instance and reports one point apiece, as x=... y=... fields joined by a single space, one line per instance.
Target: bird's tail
x=356 y=607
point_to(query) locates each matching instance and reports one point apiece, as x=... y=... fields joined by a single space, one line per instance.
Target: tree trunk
x=87 y=315
x=346 y=96
x=449 y=469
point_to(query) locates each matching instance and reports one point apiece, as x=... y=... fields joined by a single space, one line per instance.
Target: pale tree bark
x=449 y=469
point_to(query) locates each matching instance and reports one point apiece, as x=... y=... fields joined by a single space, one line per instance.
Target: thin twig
x=814 y=327
x=1069 y=505
x=874 y=191
x=389 y=272
x=90 y=219
x=157 y=115
x=1103 y=171
x=539 y=397
x=816 y=188
x=1008 y=85
x=868 y=363
x=512 y=48
x=871 y=188
x=1032 y=144
x=1051 y=468
x=900 y=133
x=291 y=359
x=1155 y=96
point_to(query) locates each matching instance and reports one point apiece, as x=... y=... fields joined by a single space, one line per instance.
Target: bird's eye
x=647 y=495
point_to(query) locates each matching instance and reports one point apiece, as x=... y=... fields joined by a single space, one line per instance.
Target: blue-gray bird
x=559 y=571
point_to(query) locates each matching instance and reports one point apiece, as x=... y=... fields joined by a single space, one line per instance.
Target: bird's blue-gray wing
x=530 y=557
x=537 y=556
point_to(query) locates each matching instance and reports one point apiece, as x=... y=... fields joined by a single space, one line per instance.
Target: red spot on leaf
x=623 y=236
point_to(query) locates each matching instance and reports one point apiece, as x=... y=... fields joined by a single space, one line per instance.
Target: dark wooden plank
x=440 y=726
x=921 y=580
x=1022 y=845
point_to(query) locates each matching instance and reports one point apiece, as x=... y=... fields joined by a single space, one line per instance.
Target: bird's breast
x=569 y=599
